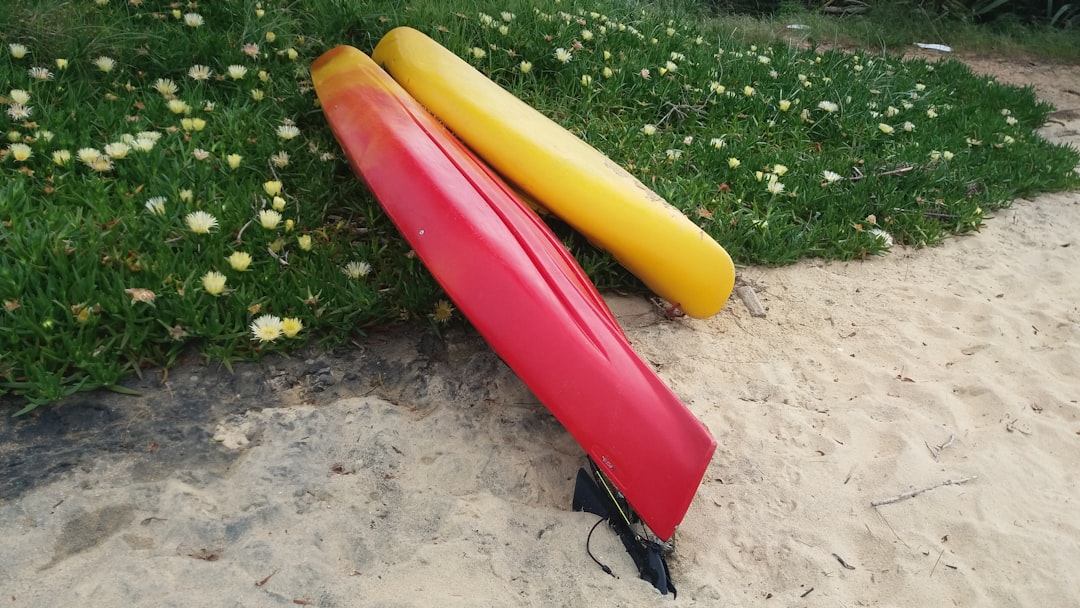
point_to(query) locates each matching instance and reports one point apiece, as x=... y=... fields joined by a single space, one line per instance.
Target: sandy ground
x=416 y=471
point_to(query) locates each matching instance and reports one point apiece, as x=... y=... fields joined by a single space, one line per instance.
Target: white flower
x=193 y=19
x=88 y=154
x=40 y=73
x=774 y=187
x=828 y=106
x=563 y=55
x=236 y=72
x=117 y=150
x=717 y=142
x=830 y=177
x=673 y=154
x=287 y=131
x=885 y=237
x=266 y=328
x=200 y=222
x=17 y=111
x=648 y=130
x=356 y=270
x=105 y=64
x=156 y=205
x=200 y=72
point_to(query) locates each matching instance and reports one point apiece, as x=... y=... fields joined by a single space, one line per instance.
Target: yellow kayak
x=613 y=209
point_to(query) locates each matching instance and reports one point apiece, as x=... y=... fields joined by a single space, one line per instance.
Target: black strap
x=594 y=494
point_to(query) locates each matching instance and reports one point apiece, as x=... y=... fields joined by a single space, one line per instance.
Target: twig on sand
x=936 y=450
x=936 y=563
x=913 y=493
x=749 y=298
x=842 y=562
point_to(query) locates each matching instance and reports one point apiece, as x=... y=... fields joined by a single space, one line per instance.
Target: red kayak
x=520 y=287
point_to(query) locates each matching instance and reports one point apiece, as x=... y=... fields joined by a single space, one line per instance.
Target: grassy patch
x=167 y=179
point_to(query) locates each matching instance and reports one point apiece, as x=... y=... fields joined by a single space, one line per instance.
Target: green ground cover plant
x=167 y=179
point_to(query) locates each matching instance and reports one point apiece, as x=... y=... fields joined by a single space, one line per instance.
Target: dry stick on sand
x=749 y=298
x=913 y=493
x=935 y=450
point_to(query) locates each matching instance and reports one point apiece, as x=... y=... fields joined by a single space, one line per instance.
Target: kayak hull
x=670 y=254
x=519 y=286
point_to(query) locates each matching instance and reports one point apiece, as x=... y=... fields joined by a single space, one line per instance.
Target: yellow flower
x=884 y=128
x=278 y=203
x=443 y=311
x=586 y=80
x=18 y=51
x=239 y=260
x=733 y=162
x=648 y=130
x=269 y=219
x=200 y=222
x=186 y=195
x=608 y=73
x=236 y=72
x=257 y=94
x=748 y=91
x=477 y=52
x=20 y=152
x=784 y=105
x=931 y=113
x=525 y=67
x=272 y=188
x=291 y=54
x=304 y=241
x=234 y=160
x=214 y=283
x=290 y=326
x=779 y=170
x=61 y=64
x=61 y=158
x=266 y=328
x=179 y=106
x=271 y=36
x=264 y=76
